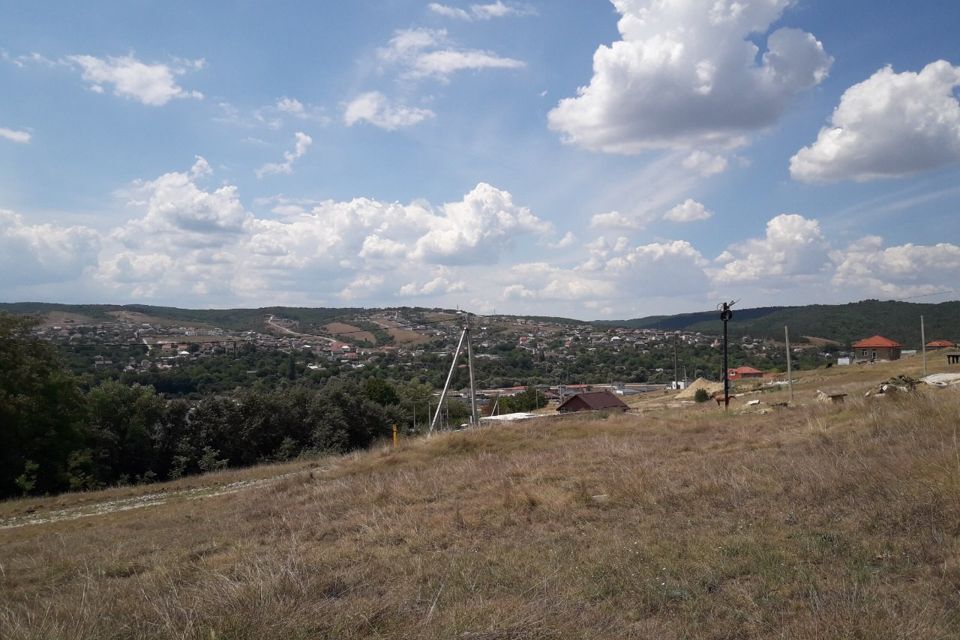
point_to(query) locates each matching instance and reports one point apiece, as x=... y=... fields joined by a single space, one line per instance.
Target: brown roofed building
x=592 y=401
x=941 y=344
x=743 y=373
x=877 y=348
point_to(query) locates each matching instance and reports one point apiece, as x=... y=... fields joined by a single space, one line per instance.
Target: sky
x=591 y=159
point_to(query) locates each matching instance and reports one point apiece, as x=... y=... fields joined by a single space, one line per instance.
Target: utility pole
x=464 y=337
x=676 y=372
x=786 y=334
x=474 y=420
x=923 y=341
x=726 y=314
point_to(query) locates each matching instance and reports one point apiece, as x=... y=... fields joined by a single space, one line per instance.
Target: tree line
x=57 y=434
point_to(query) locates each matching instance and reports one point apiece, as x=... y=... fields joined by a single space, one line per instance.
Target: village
x=558 y=358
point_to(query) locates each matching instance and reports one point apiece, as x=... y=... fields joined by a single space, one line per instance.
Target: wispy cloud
x=21 y=137
x=303 y=142
x=488 y=11
x=429 y=53
x=151 y=84
x=375 y=108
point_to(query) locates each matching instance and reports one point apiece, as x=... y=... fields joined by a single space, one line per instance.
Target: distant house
x=592 y=401
x=941 y=344
x=743 y=373
x=877 y=348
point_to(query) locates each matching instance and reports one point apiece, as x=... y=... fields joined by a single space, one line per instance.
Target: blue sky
x=591 y=159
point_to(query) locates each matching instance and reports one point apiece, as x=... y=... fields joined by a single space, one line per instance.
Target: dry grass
x=349 y=332
x=812 y=522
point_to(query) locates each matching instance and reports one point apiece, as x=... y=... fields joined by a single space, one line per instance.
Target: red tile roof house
x=877 y=348
x=941 y=344
x=743 y=373
x=592 y=401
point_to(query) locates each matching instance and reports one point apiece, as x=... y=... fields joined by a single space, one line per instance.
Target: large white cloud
x=615 y=271
x=41 y=253
x=477 y=228
x=151 y=84
x=899 y=271
x=685 y=74
x=195 y=242
x=375 y=108
x=890 y=125
x=793 y=246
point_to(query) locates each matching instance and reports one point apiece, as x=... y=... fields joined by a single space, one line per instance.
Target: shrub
x=701 y=395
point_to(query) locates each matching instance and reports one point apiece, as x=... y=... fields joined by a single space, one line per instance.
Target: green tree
x=123 y=424
x=41 y=410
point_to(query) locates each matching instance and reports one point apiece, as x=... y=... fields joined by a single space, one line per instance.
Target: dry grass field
x=349 y=332
x=400 y=335
x=811 y=521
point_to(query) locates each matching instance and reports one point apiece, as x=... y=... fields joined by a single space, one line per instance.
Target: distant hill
x=234 y=319
x=844 y=323
x=699 y=321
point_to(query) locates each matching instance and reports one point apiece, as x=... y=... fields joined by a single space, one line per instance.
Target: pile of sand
x=699 y=383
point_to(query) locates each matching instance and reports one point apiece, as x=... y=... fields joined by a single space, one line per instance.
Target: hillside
x=235 y=319
x=844 y=323
x=673 y=521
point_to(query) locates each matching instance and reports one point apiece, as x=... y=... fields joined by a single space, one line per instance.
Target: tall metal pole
x=786 y=333
x=443 y=394
x=923 y=341
x=725 y=314
x=473 y=387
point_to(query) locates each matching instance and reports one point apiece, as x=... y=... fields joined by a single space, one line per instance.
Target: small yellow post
x=394 y=436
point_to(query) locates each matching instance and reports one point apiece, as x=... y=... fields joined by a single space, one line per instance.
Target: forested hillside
x=844 y=323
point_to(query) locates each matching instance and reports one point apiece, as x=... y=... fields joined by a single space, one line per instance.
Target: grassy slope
x=810 y=522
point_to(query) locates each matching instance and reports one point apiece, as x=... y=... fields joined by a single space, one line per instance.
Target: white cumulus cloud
x=705 y=163
x=871 y=269
x=688 y=211
x=890 y=125
x=686 y=74
x=151 y=84
x=477 y=228
x=793 y=246
x=375 y=108
x=34 y=254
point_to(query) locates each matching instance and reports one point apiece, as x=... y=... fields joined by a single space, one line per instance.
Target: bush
x=701 y=395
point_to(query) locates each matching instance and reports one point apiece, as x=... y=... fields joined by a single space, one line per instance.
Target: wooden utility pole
x=923 y=342
x=474 y=420
x=786 y=334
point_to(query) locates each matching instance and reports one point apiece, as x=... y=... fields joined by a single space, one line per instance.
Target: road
x=140 y=502
x=270 y=323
